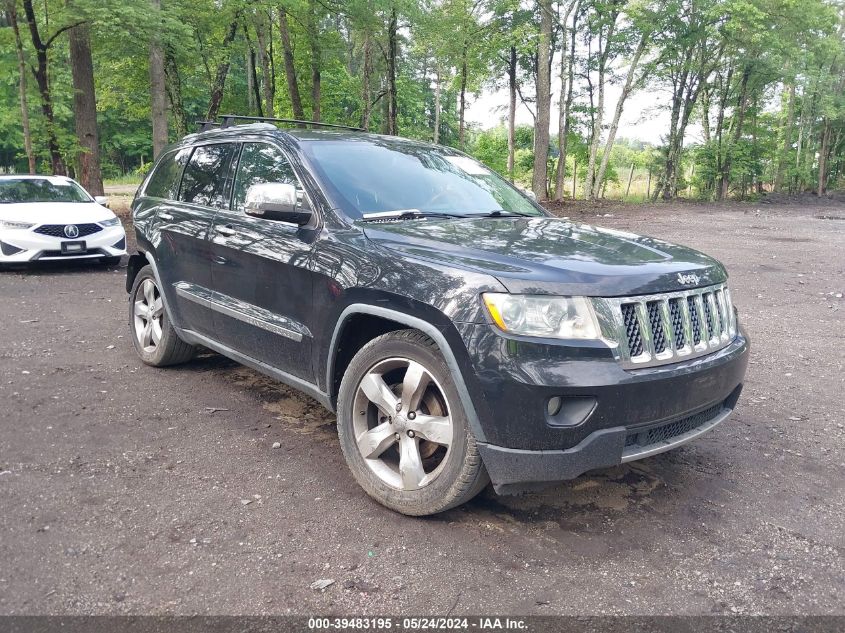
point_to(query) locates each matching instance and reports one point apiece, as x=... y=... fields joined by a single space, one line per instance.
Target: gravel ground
x=126 y=489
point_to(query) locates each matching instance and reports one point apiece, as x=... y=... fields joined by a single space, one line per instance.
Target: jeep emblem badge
x=689 y=278
x=71 y=231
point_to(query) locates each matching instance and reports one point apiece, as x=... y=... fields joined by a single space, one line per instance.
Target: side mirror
x=276 y=201
x=529 y=194
x=102 y=200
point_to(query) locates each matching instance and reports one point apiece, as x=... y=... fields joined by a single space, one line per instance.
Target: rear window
x=164 y=181
x=204 y=180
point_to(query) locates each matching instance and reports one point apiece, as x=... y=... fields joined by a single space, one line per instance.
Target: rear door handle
x=165 y=216
x=225 y=230
x=217 y=259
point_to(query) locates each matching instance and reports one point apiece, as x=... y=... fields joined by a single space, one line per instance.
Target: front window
x=25 y=190
x=369 y=175
x=260 y=163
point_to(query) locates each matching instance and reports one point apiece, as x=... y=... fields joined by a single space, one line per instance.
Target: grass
x=128 y=179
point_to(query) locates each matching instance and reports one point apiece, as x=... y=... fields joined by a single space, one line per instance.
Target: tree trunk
x=736 y=133
x=392 y=31
x=724 y=85
x=567 y=77
x=437 y=105
x=541 y=129
x=511 y=111
x=462 y=100
x=823 y=156
x=85 y=110
x=290 y=68
x=590 y=187
x=268 y=87
x=705 y=115
x=222 y=71
x=173 y=86
x=617 y=114
x=251 y=88
x=668 y=176
x=366 y=74
x=312 y=29
x=158 y=96
x=780 y=174
x=11 y=10
x=42 y=79
x=664 y=183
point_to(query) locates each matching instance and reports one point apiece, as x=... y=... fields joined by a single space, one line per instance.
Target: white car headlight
x=8 y=224
x=111 y=221
x=543 y=316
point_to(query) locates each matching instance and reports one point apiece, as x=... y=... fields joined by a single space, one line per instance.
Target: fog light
x=569 y=410
x=8 y=249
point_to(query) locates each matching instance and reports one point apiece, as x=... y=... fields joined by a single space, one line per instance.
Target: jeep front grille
x=670 y=327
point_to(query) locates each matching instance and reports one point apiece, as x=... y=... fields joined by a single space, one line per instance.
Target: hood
x=552 y=256
x=55 y=212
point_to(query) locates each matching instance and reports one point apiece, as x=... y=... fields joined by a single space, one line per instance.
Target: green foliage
x=742 y=54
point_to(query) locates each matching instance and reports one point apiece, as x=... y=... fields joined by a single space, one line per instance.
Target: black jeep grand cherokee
x=459 y=331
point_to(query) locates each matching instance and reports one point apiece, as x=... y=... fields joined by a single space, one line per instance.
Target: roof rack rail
x=229 y=120
x=207 y=125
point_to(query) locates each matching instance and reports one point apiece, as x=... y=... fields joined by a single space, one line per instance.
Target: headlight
x=539 y=315
x=8 y=224
x=111 y=222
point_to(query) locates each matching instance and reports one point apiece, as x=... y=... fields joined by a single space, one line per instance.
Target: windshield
x=372 y=175
x=18 y=190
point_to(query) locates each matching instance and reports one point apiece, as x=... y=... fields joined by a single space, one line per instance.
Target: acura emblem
x=72 y=231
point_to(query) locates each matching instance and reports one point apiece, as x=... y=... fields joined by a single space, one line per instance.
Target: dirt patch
x=128 y=489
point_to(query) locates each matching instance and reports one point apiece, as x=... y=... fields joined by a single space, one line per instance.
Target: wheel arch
x=133 y=267
x=380 y=320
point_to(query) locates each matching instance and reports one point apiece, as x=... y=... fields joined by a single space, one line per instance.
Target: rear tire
x=154 y=337
x=402 y=427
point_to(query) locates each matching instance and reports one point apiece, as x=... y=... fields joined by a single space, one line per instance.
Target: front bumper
x=21 y=246
x=610 y=415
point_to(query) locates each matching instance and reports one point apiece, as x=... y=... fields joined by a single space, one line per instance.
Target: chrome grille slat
x=666 y=321
x=655 y=323
x=664 y=328
x=680 y=324
x=648 y=337
x=708 y=316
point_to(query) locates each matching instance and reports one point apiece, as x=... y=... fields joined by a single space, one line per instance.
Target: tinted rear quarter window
x=204 y=180
x=164 y=181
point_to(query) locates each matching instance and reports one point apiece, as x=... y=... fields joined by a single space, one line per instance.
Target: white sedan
x=53 y=218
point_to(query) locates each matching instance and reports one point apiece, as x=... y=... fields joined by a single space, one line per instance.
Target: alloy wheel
x=148 y=313
x=402 y=423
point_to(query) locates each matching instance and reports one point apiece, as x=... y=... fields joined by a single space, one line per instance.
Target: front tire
x=154 y=337
x=403 y=429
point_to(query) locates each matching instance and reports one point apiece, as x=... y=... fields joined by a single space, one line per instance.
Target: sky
x=645 y=117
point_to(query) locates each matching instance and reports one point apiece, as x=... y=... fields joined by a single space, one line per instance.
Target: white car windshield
x=25 y=190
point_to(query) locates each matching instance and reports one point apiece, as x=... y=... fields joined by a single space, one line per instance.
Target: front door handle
x=217 y=259
x=165 y=216
x=225 y=230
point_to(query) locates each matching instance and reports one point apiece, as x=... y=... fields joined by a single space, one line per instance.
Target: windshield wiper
x=500 y=213
x=406 y=214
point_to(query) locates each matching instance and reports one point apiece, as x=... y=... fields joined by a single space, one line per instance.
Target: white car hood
x=55 y=212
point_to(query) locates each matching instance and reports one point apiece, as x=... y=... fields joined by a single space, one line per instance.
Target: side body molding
x=352 y=309
x=429 y=330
